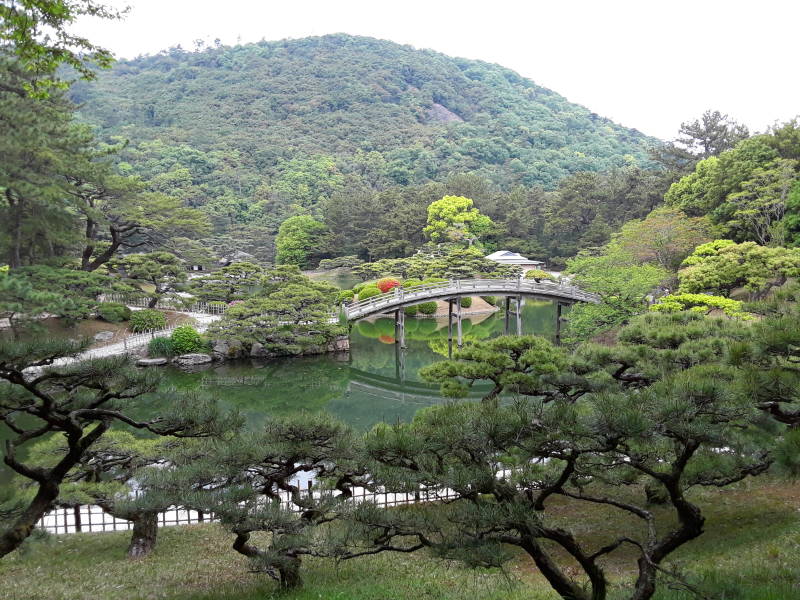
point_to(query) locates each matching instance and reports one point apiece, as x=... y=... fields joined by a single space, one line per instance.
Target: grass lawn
x=750 y=551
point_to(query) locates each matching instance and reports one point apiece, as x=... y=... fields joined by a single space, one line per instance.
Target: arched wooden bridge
x=402 y=297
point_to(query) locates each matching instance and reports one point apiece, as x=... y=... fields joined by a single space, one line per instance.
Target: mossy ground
x=750 y=551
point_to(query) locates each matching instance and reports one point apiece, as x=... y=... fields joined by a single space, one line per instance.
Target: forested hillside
x=256 y=133
x=426 y=113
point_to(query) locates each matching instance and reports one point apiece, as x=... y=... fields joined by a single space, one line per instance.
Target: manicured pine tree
x=80 y=402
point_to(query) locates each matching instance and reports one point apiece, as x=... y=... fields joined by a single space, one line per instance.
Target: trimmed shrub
x=387 y=283
x=360 y=286
x=185 y=340
x=411 y=310
x=160 y=346
x=368 y=292
x=434 y=280
x=702 y=303
x=466 y=302
x=345 y=296
x=538 y=275
x=411 y=282
x=427 y=308
x=147 y=319
x=490 y=300
x=327 y=264
x=113 y=312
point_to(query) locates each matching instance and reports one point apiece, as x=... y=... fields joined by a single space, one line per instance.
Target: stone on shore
x=223 y=349
x=103 y=336
x=151 y=362
x=192 y=359
x=340 y=344
x=257 y=351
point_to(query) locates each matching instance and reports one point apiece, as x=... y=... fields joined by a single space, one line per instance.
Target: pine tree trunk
x=143 y=538
x=14 y=255
x=560 y=582
x=290 y=573
x=17 y=532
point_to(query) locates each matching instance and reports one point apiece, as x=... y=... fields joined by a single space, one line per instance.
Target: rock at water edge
x=151 y=362
x=192 y=359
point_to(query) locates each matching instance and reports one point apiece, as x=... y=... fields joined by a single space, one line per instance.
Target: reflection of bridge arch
x=407 y=390
x=402 y=297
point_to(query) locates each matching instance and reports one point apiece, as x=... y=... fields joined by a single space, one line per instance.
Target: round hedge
x=185 y=340
x=427 y=308
x=368 y=292
x=345 y=296
x=538 y=274
x=147 y=319
x=113 y=312
x=411 y=282
x=411 y=310
x=490 y=300
x=466 y=302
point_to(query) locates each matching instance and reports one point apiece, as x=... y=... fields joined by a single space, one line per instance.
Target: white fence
x=208 y=308
x=141 y=339
x=93 y=519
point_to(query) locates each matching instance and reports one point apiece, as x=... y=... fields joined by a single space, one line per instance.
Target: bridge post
x=400 y=327
x=559 y=306
x=508 y=313
x=458 y=315
x=519 y=315
x=450 y=328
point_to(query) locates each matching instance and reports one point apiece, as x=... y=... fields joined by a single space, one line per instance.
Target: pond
x=376 y=382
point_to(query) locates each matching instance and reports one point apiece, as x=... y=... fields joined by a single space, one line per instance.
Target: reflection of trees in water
x=278 y=386
x=427 y=338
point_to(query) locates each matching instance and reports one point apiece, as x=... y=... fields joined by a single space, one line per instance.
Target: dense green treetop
x=300 y=240
x=455 y=219
x=38 y=33
x=745 y=190
x=665 y=237
x=723 y=265
x=234 y=282
x=165 y=272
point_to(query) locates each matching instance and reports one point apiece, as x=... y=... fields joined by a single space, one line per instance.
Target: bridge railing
x=460 y=287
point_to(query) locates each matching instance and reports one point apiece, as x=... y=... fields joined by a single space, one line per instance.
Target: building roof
x=511 y=258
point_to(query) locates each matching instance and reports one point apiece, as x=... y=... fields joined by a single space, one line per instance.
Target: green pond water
x=376 y=381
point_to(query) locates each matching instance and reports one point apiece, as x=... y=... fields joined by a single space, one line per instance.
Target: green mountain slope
x=427 y=114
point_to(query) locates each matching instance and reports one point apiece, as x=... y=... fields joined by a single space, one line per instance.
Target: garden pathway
x=202 y=321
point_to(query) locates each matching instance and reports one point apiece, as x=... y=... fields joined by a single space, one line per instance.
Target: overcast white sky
x=649 y=64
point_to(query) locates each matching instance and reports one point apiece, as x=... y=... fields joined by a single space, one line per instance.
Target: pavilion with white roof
x=506 y=257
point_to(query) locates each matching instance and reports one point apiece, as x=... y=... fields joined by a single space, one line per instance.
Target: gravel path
x=202 y=321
